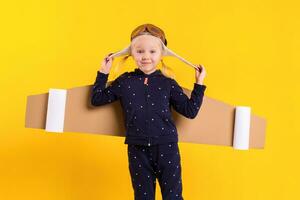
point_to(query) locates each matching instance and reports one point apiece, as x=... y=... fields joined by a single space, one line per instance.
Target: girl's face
x=146 y=50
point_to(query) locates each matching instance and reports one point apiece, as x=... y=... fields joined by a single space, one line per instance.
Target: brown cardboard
x=213 y=125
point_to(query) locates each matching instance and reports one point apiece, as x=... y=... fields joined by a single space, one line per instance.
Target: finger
x=107 y=58
x=110 y=55
x=200 y=68
x=203 y=69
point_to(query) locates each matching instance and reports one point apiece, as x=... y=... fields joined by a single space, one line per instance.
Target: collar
x=140 y=72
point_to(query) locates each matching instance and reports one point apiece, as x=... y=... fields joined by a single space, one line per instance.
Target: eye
x=139 y=51
x=153 y=51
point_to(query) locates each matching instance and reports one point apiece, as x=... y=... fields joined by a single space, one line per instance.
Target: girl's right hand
x=106 y=64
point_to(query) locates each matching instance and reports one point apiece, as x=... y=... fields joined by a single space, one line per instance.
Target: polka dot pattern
x=188 y=107
x=161 y=162
x=147 y=107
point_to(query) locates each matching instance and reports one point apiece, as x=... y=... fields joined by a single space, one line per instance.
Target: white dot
x=133 y=94
x=161 y=155
x=169 y=162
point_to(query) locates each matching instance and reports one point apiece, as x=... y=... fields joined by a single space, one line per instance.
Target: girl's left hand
x=200 y=74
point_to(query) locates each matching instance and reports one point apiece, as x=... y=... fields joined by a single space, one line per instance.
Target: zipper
x=146 y=93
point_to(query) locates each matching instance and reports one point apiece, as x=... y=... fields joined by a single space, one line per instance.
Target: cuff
x=200 y=88
x=101 y=75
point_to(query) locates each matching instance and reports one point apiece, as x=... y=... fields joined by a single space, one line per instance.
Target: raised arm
x=101 y=94
x=189 y=107
x=184 y=105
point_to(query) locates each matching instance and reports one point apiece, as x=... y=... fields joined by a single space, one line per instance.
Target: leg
x=141 y=171
x=169 y=171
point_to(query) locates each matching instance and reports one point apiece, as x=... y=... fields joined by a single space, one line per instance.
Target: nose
x=145 y=56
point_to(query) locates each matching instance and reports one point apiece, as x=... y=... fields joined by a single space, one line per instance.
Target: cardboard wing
x=217 y=123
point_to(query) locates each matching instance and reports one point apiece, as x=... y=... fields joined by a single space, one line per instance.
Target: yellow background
x=249 y=48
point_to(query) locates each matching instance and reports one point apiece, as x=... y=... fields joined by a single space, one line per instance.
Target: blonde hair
x=166 y=70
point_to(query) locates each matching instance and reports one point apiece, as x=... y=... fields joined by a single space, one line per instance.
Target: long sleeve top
x=147 y=100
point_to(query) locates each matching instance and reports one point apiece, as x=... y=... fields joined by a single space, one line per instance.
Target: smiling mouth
x=145 y=63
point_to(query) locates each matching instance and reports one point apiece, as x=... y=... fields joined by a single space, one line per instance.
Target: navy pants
x=158 y=161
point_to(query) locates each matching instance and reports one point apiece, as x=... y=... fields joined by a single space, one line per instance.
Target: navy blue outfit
x=151 y=134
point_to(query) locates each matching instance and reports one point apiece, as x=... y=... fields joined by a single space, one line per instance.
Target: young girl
x=147 y=96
